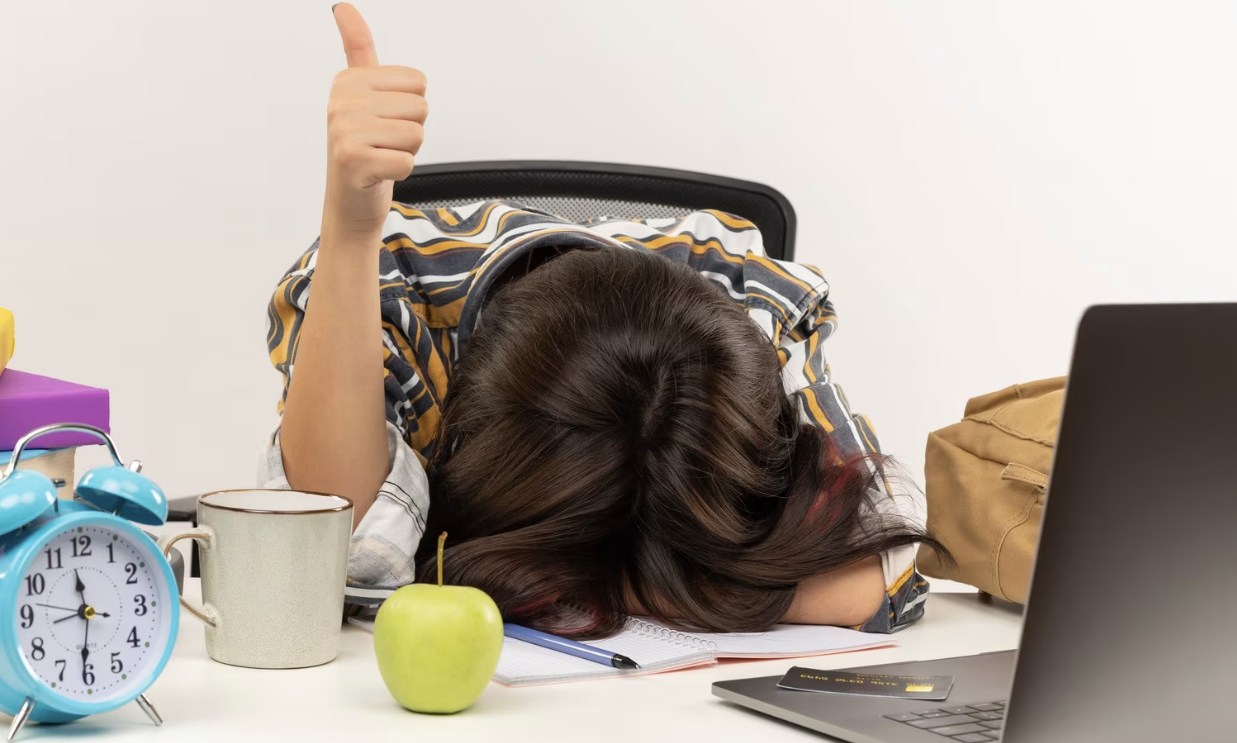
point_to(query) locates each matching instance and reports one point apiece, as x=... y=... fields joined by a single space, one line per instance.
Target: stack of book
x=29 y=401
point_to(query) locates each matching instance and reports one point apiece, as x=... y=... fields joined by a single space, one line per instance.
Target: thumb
x=358 y=42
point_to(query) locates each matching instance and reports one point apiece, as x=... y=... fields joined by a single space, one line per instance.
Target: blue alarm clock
x=88 y=604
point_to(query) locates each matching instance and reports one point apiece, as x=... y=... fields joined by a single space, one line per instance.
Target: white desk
x=201 y=700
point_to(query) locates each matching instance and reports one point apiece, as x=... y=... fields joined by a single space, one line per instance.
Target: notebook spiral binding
x=665 y=634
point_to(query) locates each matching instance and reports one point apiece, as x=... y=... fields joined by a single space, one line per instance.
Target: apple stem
x=442 y=539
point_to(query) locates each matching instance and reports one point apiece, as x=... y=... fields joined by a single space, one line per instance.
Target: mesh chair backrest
x=576 y=209
x=579 y=191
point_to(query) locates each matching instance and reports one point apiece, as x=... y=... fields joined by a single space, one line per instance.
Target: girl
x=613 y=418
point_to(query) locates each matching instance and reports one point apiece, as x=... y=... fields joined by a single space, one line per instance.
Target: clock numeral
x=62 y=664
x=36 y=649
x=27 y=616
x=35 y=584
x=111 y=555
x=52 y=564
x=132 y=640
x=131 y=569
x=117 y=664
x=81 y=546
x=140 y=600
x=88 y=674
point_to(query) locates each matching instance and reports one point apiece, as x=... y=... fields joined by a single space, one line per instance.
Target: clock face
x=92 y=613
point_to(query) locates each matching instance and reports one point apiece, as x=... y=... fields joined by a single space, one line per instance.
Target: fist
x=374 y=130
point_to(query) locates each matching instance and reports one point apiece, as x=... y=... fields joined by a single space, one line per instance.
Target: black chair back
x=583 y=190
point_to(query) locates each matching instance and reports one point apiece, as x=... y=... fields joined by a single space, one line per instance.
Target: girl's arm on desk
x=844 y=597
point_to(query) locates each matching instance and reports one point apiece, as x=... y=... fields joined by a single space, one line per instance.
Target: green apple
x=437 y=646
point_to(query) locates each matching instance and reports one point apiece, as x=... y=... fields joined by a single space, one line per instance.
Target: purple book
x=28 y=401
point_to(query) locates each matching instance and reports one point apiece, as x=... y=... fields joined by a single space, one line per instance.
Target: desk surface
x=201 y=700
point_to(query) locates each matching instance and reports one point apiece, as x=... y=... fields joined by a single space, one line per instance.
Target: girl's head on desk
x=617 y=435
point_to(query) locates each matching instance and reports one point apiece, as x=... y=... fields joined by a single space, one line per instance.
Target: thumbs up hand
x=374 y=130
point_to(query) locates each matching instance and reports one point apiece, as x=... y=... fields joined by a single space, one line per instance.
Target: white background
x=969 y=175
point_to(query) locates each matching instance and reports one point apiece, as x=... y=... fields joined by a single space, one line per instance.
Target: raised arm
x=333 y=435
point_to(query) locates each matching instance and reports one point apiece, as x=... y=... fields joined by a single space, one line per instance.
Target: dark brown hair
x=617 y=427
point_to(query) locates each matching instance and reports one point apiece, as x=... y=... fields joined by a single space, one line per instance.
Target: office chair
x=577 y=191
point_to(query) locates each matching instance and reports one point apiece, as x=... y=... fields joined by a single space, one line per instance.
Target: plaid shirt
x=436 y=268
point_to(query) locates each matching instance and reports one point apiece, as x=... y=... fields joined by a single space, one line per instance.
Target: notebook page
x=525 y=664
x=791 y=641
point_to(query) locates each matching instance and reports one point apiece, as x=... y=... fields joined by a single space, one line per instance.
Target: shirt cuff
x=380 y=557
x=905 y=589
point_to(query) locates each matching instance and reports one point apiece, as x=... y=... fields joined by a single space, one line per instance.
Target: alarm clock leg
x=148 y=708
x=20 y=718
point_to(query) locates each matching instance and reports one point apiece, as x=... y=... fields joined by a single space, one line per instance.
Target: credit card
x=867 y=684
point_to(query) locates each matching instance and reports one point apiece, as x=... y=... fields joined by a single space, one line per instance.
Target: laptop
x=1130 y=628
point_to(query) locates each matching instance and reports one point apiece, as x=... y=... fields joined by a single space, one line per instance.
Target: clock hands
x=85 y=655
x=86 y=638
x=79 y=612
x=82 y=615
x=80 y=588
x=85 y=612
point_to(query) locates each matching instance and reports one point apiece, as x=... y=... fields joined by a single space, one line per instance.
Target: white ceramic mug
x=273 y=565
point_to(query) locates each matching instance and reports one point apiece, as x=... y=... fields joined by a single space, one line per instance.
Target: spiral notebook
x=658 y=648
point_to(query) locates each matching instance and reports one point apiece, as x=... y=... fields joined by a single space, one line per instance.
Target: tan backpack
x=985 y=478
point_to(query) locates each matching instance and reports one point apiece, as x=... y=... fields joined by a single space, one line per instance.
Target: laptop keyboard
x=971 y=723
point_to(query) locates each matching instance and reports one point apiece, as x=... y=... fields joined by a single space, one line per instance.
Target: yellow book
x=6 y=338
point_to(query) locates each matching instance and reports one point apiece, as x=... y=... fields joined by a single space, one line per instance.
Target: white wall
x=969 y=175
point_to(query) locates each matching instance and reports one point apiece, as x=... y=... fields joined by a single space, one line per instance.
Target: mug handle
x=205 y=612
